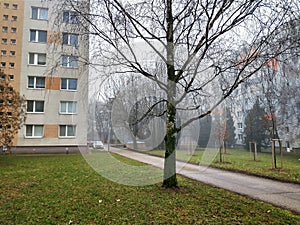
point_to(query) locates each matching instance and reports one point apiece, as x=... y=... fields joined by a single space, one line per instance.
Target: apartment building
x=281 y=96
x=43 y=53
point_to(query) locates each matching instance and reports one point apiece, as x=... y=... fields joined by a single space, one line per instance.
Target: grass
x=241 y=160
x=64 y=189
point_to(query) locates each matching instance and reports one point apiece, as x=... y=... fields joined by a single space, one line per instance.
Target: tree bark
x=170 y=179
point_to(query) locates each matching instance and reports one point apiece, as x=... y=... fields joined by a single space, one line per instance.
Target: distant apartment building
x=43 y=54
x=281 y=97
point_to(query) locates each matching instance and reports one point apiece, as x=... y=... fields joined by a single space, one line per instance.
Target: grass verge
x=242 y=161
x=63 y=189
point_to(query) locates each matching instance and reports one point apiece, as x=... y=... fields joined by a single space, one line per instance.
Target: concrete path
x=280 y=194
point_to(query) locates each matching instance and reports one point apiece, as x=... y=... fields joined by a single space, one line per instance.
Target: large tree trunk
x=170 y=179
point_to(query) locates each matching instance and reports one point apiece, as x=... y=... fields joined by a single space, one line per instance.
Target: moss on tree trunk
x=170 y=179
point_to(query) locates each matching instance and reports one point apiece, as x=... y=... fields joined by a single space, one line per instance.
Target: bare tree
x=289 y=103
x=220 y=132
x=198 y=43
x=280 y=95
x=286 y=84
x=12 y=111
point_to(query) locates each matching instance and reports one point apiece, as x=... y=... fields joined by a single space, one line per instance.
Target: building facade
x=44 y=55
x=277 y=89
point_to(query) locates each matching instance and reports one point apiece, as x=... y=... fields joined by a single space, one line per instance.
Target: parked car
x=98 y=145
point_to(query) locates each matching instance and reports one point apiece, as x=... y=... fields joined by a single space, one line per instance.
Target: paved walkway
x=280 y=194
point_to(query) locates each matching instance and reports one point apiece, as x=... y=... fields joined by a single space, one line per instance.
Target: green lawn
x=243 y=161
x=63 y=188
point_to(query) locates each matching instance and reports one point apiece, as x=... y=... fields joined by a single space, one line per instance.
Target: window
x=34 y=131
x=68 y=84
x=11 y=65
x=3 y=52
x=39 y=13
x=11 y=77
x=3 y=64
x=67 y=130
x=12 y=53
x=4 y=41
x=15 y=7
x=70 y=39
x=287 y=129
x=1 y=102
x=37 y=59
x=70 y=17
x=35 y=106
x=14 y=18
x=13 y=30
x=5 y=17
x=2 y=77
x=8 y=127
x=38 y=36
x=1 y=114
x=6 y=5
x=240 y=125
x=1 y=89
x=10 y=89
x=70 y=61
x=240 y=137
x=9 y=114
x=5 y=29
x=13 y=41
x=9 y=102
x=36 y=82
x=68 y=107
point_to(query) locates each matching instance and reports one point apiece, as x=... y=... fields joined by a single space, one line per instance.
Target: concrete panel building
x=44 y=55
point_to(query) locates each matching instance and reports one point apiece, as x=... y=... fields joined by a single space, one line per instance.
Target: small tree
x=256 y=126
x=220 y=132
x=12 y=111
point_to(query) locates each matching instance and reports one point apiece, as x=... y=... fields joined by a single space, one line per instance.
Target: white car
x=98 y=145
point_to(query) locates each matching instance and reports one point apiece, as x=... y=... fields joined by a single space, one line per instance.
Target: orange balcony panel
x=53 y=83
x=51 y=131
